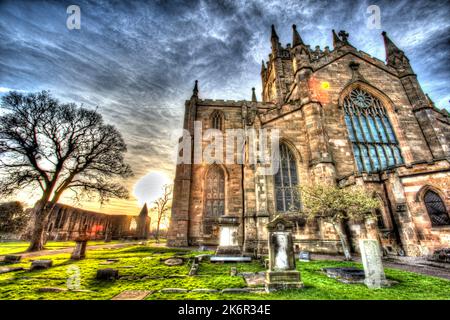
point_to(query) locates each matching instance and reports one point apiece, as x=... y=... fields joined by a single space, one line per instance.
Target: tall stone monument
x=373 y=266
x=282 y=273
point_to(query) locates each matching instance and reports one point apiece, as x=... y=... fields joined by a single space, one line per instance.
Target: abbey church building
x=343 y=117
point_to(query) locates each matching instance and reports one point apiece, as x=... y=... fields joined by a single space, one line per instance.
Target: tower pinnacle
x=296 y=39
x=253 y=95
x=195 y=91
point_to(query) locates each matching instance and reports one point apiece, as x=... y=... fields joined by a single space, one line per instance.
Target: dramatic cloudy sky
x=137 y=61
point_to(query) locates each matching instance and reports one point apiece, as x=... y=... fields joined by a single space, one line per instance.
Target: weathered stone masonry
x=398 y=146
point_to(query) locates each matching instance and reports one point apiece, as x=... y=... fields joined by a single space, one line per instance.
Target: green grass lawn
x=145 y=259
x=13 y=247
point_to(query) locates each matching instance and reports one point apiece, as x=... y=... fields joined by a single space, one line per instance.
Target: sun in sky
x=150 y=187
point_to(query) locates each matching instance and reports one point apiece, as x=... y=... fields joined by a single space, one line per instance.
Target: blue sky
x=137 y=60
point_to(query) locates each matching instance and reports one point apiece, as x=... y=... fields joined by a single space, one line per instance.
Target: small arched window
x=436 y=209
x=374 y=143
x=380 y=219
x=286 y=181
x=217 y=120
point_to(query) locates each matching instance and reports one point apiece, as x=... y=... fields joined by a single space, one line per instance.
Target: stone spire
x=394 y=56
x=144 y=211
x=296 y=39
x=195 y=91
x=263 y=67
x=274 y=33
x=253 y=95
x=336 y=40
x=275 y=41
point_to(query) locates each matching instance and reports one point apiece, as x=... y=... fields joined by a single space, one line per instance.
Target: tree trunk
x=344 y=241
x=39 y=224
x=157 y=231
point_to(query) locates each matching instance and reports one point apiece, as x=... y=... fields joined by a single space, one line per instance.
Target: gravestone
x=79 y=252
x=304 y=256
x=41 y=264
x=233 y=271
x=228 y=236
x=282 y=273
x=107 y=274
x=373 y=266
x=11 y=258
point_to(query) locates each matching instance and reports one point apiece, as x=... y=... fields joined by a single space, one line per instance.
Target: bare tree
x=162 y=206
x=54 y=147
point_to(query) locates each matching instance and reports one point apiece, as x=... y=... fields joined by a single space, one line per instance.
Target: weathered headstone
x=194 y=269
x=107 y=274
x=80 y=249
x=41 y=264
x=282 y=273
x=304 y=256
x=11 y=258
x=228 y=236
x=373 y=266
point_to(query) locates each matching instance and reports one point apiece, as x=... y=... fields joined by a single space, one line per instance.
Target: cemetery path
x=93 y=247
x=416 y=265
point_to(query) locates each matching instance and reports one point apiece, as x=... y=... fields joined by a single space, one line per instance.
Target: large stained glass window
x=286 y=181
x=214 y=198
x=436 y=209
x=374 y=143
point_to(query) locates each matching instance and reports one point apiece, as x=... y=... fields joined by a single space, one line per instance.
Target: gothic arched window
x=380 y=219
x=217 y=120
x=374 y=143
x=436 y=209
x=214 y=197
x=286 y=181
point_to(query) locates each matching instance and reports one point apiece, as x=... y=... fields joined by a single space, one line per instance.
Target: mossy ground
x=146 y=262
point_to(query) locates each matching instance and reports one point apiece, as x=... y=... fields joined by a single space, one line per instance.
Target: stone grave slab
x=230 y=259
x=107 y=274
x=346 y=275
x=10 y=258
x=254 y=279
x=41 y=264
x=173 y=262
x=10 y=269
x=133 y=295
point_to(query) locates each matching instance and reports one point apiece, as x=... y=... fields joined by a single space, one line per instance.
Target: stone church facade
x=344 y=118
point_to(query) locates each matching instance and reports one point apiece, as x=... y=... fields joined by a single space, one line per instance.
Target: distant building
x=344 y=117
x=67 y=223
